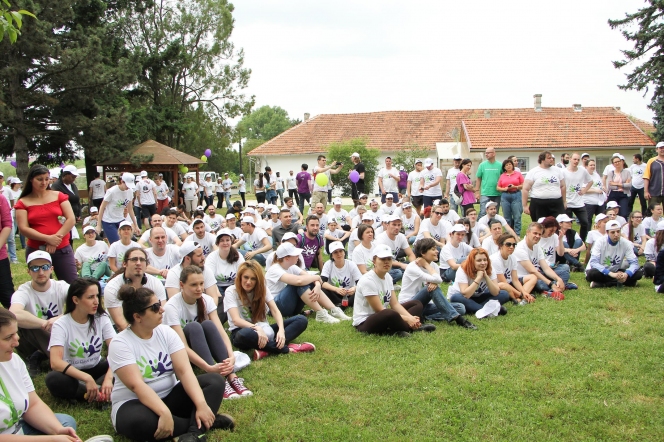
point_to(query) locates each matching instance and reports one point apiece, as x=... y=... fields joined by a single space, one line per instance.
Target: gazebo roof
x=162 y=156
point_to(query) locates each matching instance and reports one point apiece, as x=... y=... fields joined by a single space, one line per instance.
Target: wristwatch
x=551 y=284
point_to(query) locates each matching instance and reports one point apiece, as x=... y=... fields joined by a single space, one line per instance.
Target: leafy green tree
x=342 y=152
x=11 y=21
x=644 y=30
x=265 y=123
x=406 y=157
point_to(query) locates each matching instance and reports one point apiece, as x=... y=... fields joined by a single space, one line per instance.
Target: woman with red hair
x=476 y=283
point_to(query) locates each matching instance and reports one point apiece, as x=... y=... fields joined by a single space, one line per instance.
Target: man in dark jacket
x=65 y=184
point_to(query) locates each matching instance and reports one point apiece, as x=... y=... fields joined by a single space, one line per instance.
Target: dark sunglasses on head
x=510 y=244
x=154 y=307
x=44 y=267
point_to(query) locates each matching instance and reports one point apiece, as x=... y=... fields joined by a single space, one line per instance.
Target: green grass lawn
x=587 y=368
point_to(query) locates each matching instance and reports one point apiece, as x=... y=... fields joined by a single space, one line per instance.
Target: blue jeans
x=247 y=338
x=396 y=275
x=569 y=258
x=227 y=196
x=477 y=302
x=443 y=306
x=138 y=213
x=65 y=419
x=485 y=199
x=394 y=194
x=289 y=300
x=453 y=206
x=258 y=257
x=562 y=270
x=11 y=243
x=280 y=192
x=448 y=274
x=111 y=231
x=512 y=210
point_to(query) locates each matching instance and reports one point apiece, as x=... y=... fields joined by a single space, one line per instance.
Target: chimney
x=487 y=114
x=306 y=116
x=577 y=107
x=617 y=108
x=538 y=102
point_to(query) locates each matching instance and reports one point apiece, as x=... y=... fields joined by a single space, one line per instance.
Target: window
x=523 y=164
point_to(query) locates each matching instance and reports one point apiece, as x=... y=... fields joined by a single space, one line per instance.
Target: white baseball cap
x=249 y=220
x=355 y=154
x=71 y=169
x=39 y=254
x=128 y=179
x=585 y=154
x=390 y=196
x=459 y=228
x=223 y=232
x=125 y=223
x=144 y=173
x=367 y=215
x=612 y=225
x=200 y=208
x=261 y=205
x=600 y=217
x=563 y=218
x=457 y=157
x=428 y=162
x=363 y=195
x=93 y=209
x=249 y=210
x=612 y=204
x=489 y=310
x=187 y=247
x=86 y=229
x=406 y=205
x=230 y=216
x=336 y=245
x=382 y=251
x=491 y=203
x=287 y=249
x=660 y=144
x=337 y=201
x=400 y=167
x=288 y=235
x=275 y=210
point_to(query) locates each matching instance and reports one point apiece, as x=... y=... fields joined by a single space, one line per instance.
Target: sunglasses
x=438 y=213
x=137 y=259
x=44 y=267
x=509 y=244
x=154 y=307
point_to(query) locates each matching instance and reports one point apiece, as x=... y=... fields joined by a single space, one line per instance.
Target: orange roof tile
x=394 y=130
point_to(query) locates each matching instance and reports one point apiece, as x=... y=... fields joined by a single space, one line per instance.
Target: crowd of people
x=416 y=255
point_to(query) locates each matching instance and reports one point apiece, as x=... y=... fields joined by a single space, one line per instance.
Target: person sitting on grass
x=291 y=238
x=162 y=256
x=652 y=249
x=118 y=249
x=363 y=252
x=480 y=231
x=650 y=223
x=37 y=304
x=340 y=277
x=22 y=412
x=490 y=243
x=223 y=264
x=492 y=213
x=92 y=256
x=411 y=222
x=658 y=279
x=201 y=235
x=334 y=233
x=193 y=316
x=607 y=258
x=554 y=250
x=476 y=284
x=570 y=236
x=453 y=253
x=258 y=244
x=354 y=240
x=148 y=359
x=505 y=266
x=376 y=311
x=532 y=261
x=397 y=242
x=421 y=282
x=247 y=303
x=597 y=233
x=635 y=232
x=471 y=239
x=295 y=287
x=157 y=221
x=435 y=227
x=311 y=243
x=79 y=370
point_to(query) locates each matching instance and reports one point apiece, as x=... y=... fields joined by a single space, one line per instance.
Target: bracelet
x=66 y=368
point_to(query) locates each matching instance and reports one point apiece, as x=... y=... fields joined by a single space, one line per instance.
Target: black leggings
x=137 y=422
x=205 y=340
x=388 y=321
x=594 y=275
x=66 y=387
x=293 y=194
x=336 y=299
x=545 y=207
x=649 y=269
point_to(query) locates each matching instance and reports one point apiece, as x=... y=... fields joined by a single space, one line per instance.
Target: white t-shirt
x=118 y=250
x=415 y=278
x=178 y=312
x=461 y=276
x=318 y=188
x=362 y=255
x=388 y=210
x=377 y=215
x=458 y=254
x=340 y=216
x=451 y=217
x=490 y=245
x=214 y=222
x=232 y=300
x=408 y=223
x=44 y=305
x=189 y=190
x=523 y=253
x=639 y=232
x=153 y=358
x=429 y=177
x=414 y=178
x=344 y=277
x=208 y=187
x=436 y=232
x=637 y=171
x=504 y=266
x=227 y=184
x=177 y=228
x=292 y=182
x=18 y=384
x=399 y=243
x=650 y=225
x=242 y=185
x=546 y=182
x=484 y=221
x=173 y=278
x=371 y=285
x=145 y=191
x=609 y=168
x=162 y=191
x=224 y=273
x=351 y=242
x=207 y=242
x=594 y=198
x=390 y=179
x=594 y=235
x=81 y=345
x=255 y=240
x=275 y=272
x=338 y=233
x=170 y=236
x=113 y=287
x=95 y=255
x=575 y=182
x=170 y=259
x=98 y=188
x=116 y=202
x=650 y=250
x=548 y=246
x=451 y=175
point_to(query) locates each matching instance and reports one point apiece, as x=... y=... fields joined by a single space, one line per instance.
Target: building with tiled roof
x=523 y=132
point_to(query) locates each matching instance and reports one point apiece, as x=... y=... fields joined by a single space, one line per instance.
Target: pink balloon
x=354 y=176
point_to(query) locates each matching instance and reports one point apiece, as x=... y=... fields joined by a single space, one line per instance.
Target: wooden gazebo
x=164 y=159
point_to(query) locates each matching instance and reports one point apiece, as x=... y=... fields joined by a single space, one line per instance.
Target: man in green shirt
x=487 y=179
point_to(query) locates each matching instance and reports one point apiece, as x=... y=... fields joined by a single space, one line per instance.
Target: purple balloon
x=50 y=157
x=62 y=165
x=354 y=176
x=13 y=163
x=208 y=153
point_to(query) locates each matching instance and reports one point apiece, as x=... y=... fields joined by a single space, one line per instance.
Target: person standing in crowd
x=653 y=177
x=304 y=186
x=510 y=184
x=270 y=186
x=162 y=192
x=259 y=187
x=430 y=183
x=388 y=179
x=619 y=185
x=578 y=182
x=545 y=185
x=280 y=188
x=450 y=181
x=66 y=184
x=46 y=218
x=6 y=282
x=219 y=190
x=595 y=196
x=488 y=174
x=12 y=194
x=190 y=188
x=208 y=187
x=607 y=257
x=291 y=183
x=403 y=181
x=358 y=187
x=146 y=194
x=319 y=194
x=413 y=189
x=637 y=170
x=564 y=161
x=242 y=189
x=465 y=186
x=97 y=190
x=115 y=208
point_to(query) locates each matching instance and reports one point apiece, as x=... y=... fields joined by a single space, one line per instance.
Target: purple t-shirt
x=403 y=179
x=309 y=247
x=303 y=179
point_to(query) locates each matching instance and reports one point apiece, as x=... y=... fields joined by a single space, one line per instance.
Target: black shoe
x=34 y=364
x=427 y=328
x=403 y=334
x=223 y=422
x=192 y=437
x=661 y=289
x=502 y=311
x=463 y=322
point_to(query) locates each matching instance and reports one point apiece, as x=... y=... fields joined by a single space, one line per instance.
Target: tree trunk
x=21 y=152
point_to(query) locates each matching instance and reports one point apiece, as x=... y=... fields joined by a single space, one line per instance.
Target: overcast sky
x=363 y=56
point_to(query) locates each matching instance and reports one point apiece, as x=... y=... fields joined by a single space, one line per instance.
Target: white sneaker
x=100 y=438
x=336 y=312
x=323 y=316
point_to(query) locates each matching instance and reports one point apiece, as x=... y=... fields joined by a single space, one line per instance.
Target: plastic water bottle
x=344 y=301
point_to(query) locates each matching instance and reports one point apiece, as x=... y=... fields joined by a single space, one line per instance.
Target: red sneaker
x=557 y=296
x=305 y=347
x=260 y=354
x=229 y=392
x=238 y=386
